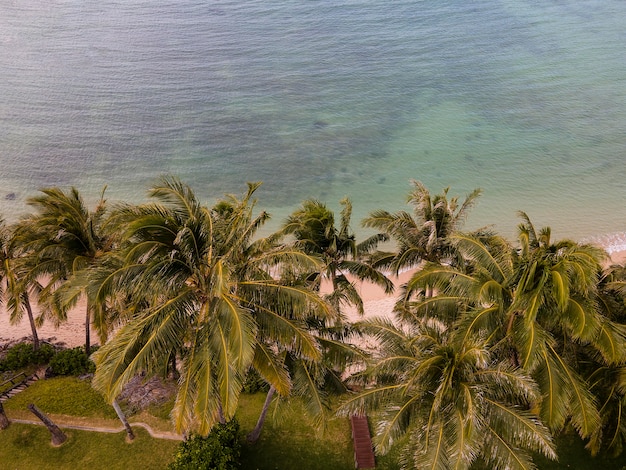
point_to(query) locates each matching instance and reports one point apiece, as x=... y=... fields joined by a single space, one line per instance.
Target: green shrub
x=72 y=362
x=220 y=450
x=23 y=354
x=254 y=383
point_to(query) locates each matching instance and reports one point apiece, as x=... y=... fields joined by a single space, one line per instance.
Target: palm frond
x=584 y=413
x=271 y=367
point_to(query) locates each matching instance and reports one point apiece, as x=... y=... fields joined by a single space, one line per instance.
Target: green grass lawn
x=62 y=395
x=69 y=399
x=26 y=447
x=288 y=440
x=573 y=455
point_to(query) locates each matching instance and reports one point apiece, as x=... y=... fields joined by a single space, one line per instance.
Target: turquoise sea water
x=524 y=99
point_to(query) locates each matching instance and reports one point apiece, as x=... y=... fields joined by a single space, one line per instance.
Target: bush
x=220 y=450
x=254 y=383
x=72 y=362
x=23 y=354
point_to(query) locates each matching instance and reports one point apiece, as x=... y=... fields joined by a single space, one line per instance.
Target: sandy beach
x=72 y=333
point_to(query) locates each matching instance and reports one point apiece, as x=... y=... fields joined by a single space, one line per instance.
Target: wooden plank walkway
x=363 y=453
x=18 y=383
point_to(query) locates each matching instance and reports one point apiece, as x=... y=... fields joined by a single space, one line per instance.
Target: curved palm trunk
x=254 y=435
x=429 y=292
x=31 y=319
x=58 y=437
x=120 y=414
x=220 y=413
x=333 y=278
x=4 y=421
x=173 y=369
x=87 y=332
x=509 y=328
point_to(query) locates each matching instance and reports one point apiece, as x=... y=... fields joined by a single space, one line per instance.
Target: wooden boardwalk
x=15 y=385
x=363 y=453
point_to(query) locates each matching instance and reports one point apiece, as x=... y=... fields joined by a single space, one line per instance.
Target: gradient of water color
x=526 y=100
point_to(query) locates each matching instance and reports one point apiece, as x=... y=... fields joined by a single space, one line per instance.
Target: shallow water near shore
x=319 y=99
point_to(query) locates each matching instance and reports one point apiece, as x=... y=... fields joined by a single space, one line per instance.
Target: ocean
x=323 y=99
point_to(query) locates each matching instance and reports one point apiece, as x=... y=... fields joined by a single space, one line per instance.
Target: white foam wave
x=611 y=242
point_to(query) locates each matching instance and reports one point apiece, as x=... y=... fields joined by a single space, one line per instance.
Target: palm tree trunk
x=509 y=329
x=87 y=326
x=428 y=292
x=31 y=319
x=254 y=435
x=173 y=371
x=333 y=279
x=120 y=414
x=58 y=437
x=220 y=413
x=4 y=421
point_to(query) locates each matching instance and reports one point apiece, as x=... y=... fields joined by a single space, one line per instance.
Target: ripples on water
x=525 y=100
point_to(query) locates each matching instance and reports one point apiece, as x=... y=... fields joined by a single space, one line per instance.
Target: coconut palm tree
x=315 y=381
x=15 y=287
x=200 y=283
x=63 y=238
x=448 y=400
x=315 y=232
x=538 y=305
x=423 y=234
x=608 y=381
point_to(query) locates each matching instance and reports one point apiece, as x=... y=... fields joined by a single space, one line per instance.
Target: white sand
x=71 y=333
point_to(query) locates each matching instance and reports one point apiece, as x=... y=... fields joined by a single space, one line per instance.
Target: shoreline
x=72 y=333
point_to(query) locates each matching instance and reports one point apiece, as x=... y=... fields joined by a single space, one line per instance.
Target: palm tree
x=608 y=381
x=422 y=235
x=538 y=306
x=315 y=381
x=448 y=400
x=200 y=284
x=63 y=238
x=57 y=437
x=313 y=227
x=14 y=285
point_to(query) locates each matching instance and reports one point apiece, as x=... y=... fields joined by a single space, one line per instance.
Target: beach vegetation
x=422 y=234
x=62 y=239
x=315 y=382
x=201 y=286
x=72 y=361
x=451 y=397
x=219 y=450
x=494 y=351
x=536 y=305
x=16 y=288
x=22 y=355
x=314 y=229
